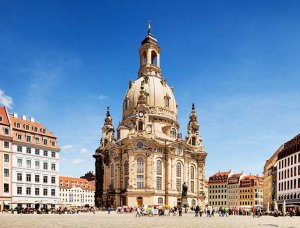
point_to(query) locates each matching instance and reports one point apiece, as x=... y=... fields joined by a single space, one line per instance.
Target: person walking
x=180 y=211
x=197 y=211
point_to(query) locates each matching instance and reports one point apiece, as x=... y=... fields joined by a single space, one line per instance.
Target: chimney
x=15 y=115
x=32 y=119
x=23 y=117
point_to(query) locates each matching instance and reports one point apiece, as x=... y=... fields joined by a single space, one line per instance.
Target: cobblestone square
x=102 y=219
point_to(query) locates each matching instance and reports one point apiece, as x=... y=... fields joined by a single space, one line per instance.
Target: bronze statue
x=184 y=189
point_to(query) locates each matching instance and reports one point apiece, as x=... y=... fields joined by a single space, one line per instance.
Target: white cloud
x=5 y=100
x=68 y=147
x=77 y=161
x=83 y=151
x=102 y=97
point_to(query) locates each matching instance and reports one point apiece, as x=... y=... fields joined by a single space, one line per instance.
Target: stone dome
x=160 y=98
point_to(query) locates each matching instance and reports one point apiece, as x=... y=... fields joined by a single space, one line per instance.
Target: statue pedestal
x=184 y=202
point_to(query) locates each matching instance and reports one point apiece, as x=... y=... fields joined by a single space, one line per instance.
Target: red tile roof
x=4 y=114
x=68 y=182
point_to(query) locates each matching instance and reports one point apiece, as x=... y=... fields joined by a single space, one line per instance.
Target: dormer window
x=44 y=131
x=1 y=119
x=26 y=127
x=35 y=129
x=18 y=125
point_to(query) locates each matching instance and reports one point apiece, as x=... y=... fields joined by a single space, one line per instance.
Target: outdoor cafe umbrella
x=275 y=205
x=268 y=208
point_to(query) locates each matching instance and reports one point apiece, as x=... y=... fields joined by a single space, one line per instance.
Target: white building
x=288 y=173
x=76 y=192
x=35 y=165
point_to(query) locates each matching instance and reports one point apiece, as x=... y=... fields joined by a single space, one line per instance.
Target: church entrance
x=139 y=201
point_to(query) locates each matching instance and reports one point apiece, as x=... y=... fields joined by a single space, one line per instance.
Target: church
x=148 y=161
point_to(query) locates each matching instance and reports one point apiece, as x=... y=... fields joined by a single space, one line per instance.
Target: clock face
x=141 y=114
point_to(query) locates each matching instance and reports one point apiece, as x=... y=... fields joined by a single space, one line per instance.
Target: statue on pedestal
x=184 y=189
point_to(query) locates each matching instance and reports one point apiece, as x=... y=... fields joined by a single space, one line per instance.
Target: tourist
x=197 y=211
x=138 y=212
x=200 y=211
x=180 y=211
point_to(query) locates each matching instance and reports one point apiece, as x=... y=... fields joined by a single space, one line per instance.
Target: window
x=192 y=179
x=37 y=191
x=173 y=133
x=140 y=171
x=52 y=180
x=53 y=154
x=19 y=148
x=45 y=153
x=6 y=145
x=35 y=129
x=158 y=175
x=37 y=164
x=53 y=167
x=178 y=176
x=37 y=139
x=112 y=171
x=45 y=191
x=6 y=157
x=6 y=172
x=160 y=201
x=19 y=190
x=28 y=138
x=6 y=131
x=18 y=125
x=19 y=162
x=6 y=188
x=28 y=163
x=28 y=191
x=1 y=118
x=140 y=125
x=28 y=177
x=37 y=152
x=45 y=141
x=26 y=127
x=52 y=192
x=19 y=176
x=167 y=101
x=194 y=141
x=28 y=150
x=37 y=178
x=45 y=179
x=53 y=143
x=45 y=165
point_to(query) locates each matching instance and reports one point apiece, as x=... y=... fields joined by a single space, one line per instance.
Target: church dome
x=159 y=96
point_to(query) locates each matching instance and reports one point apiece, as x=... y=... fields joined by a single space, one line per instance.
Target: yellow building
x=270 y=179
x=250 y=192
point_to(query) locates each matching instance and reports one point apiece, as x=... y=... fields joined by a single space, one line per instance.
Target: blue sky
x=63 y=62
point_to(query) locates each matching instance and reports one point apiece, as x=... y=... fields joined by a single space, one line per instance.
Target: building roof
x=273 y=158
x=35 y=129
x=66 y=182
x=290 y=147
x=4 y=115
x=220 y=177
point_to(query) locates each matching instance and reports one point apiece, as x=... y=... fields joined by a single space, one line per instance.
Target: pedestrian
x=197 y=211
x=180 y=211
x=138 y=212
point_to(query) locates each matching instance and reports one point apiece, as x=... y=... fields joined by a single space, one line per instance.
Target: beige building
x=232 y=189
x=217 y=189
x=270 y=179
x=148 y=162
x=250 y=192
x=5 y=160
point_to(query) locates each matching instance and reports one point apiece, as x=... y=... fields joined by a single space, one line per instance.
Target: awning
x=6 y=202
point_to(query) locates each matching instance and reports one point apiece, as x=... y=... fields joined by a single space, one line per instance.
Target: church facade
x=148 y=161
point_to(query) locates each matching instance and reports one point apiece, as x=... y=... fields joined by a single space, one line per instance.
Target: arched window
x=140 y=173
x=160 y=201
x=178 y=176
x=167 y=101
x=126 y=174
x=158 y=175
x=140 y=126
x=144 y=58
x=192 y=179
x=173 y=133
x=153 y=58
